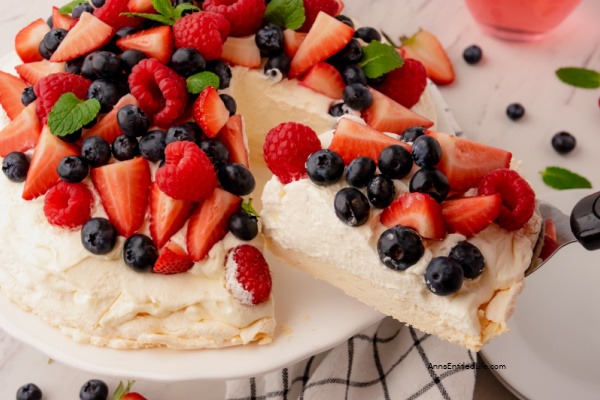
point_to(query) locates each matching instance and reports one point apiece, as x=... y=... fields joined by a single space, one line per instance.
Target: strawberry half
x=470 y=215
x=167 y=215
x=247 y=273
x=123 y=188
x=32 y=72
x=172 y=260
x=232 y=136
x=210 y=222
x=292 y=41
x=22 y=133
x=352 y=139
x=210 y=112
x=108 y=128
x=154 y=43
x=387 y=115
x=111 y=14
x=60 y=20
x=425 y=47
x=241 y=51
x=141 y=6
x=325 y=79
x=28 y=40
x=11 y=88
x=87 y=35
x=418 y=211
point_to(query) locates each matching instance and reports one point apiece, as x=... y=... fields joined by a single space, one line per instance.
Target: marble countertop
x=510 y=72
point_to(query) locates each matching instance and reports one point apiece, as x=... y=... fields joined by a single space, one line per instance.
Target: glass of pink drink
x=520 y=19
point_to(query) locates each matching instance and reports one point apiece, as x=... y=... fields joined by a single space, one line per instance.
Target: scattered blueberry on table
x=563 y=142
x=472 y=54
x=515 y=111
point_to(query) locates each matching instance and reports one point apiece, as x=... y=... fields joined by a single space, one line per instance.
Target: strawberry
x=405 y=84
x=244 y=16
x=352 y=139
x=42 y=174
x=470 y=215
x=209 y=223
x=154 y=43
x=167 y=215
x=550 y=229
x=210 y=112
x=132 y=396
x=141 y=6
x=123 y=188
x=247 y=273
x=111 y=14
x=61 y=21
x=418 y=211
x=87 y=35
x=232 y=136
x=465 y=162
x=11 y=88
x=386 y=115
x=341 y=6
x=206 y=32
x=292 y=41
x=22 y=133
x=325 y=79
x=312 y=8
x=28 y=40
x=426 y=48
x=241 y=51
x=172 y=260
x=68 y=205
x=49 y=89
x=32 y=72
x=108 y=128
x=326 y=37
x=123 y=392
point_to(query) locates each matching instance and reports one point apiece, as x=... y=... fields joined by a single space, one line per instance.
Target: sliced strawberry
x=425 y=47
x=387 y=115
x=87 y=35
x=418 y=211
x=232 y=136
x=108 y=128
x=326 y=37
x=172 y=260
x=340 y=6
x=325 y=79
x=123 y=188
x=470 y=215
x=550 y=229
x=210 y=112
x=34 y=71
x=28 y=40
x=22 y=133
x=112 y=12
x=352 y=139
x=61 y=21
x=167 y=215
x=209 y=223
x=292 y=41
x=42 y=174
x=11 y=88
x=241 y=51
x=154 y=42
x=465 y=162
x=141 y=6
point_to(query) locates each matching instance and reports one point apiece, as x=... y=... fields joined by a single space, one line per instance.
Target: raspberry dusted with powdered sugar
x=248 y=275
x=49 y=89
x=205 y=32
x=244 y=16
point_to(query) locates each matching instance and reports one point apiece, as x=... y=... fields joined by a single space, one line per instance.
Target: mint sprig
x=69 y=7
x=561 y=179
x=69 y=114
x=286 y=13
x=200 y=81
x=579 y=77
x=167 y=14
x=379 y=58
x=248 y=209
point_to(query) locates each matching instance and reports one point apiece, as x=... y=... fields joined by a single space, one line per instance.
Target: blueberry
x=28 y=96
x=324 y=167
x=395 y=162
x=360 y=171
x=93 y=389
x=358 y=96
x=236 y=179
x=49 y=22
x=269 y=40
x=400 y=247
x=216 y=152
x=99 y=236
x=133 y=121
x=351 y=206
x=131 y=58
x=353 y=74
x=98 y=3
x=71 y=137
x=125 y=31
x=179 y=133
x=187 y=62
x=337 y=110
x=431 y=181
x=15 y=166
x=53 y=39
x=374 y=82
x=350 y=54
x=91 y=124
x=277 y=67
x=80 y=9
x=345 y=20
x=106 y=64
x=443 y=276
x=469 y=257
x=125 y=147
x=472 y=54
x=426 y=151
x=515 y=111
x=230 y=103
x=95 y=151
x=222 y=70
x=563 y=142
x=106 y=92
x=243 y=225
x=72 y=169
x=29 y=391
x=74 y=66
x=411 y=134
x=140 y=253
x=367 y=34
x=44 y=52
x=381 y=191
x=194 y=127
x=152 y=146
x=86 y=67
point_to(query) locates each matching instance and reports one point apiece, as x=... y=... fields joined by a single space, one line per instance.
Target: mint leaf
x=286 y=13
x=379 y=58
x=200 y=81
x=153 y=17
x=70 y=114
x=579 y=77
x=248 y=209
x=165 y=8
x=167 y=14
x=183 y=7
x=561 y=179
x=68 y=8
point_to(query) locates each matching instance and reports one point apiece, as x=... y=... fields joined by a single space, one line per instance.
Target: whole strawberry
x=124 y=392
x=405 y=84
x=244 y=16
x=248 y=275
x=204 y=31
x=49 y=89
x=313 y=7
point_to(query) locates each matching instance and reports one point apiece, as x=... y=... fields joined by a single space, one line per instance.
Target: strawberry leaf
x=248 y=209
x=200 y=81
x=69 y=7
x=561 y=179
x=154 y=17
x=579 y=77
x=379 y=58
x=122 y=390
x=70 y=114
x=183 y=7
x=286 y=13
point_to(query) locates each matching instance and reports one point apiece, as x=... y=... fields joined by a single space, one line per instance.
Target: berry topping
x=312 y=8
x=470 y=215
x=51 y=41
x=324 y=167
x=411 y=134
x=367 y=34
x=216 y=152
x=111 y=12
x=29 y=391
x=381 y=191
x=360 y=171
x=405 y=84
x=89 y=34
x=426 y=48
x=154 y=43
x=132 y=120
x=350 y=54
x=241 y=51
x=222 y=70
x=353 y=74
x=34 y=71
x=187 y=174
x=140 y=253
x=68 y=205
x=469 y=257
x=431 y=181
x=106 y=64
x=28 y=40
x=22 y=133
x=172 y=260
x=387 y=115
x=443 y=276
x=61 y=21
x=73 y=169
x=277 y=67
x=395 y=162
x=210 y=112
x=244 y=16
x=357 y=96
x=345 y=20
x=206 y=32
x=131 y=58
x=152 y=146
x=125 y=147
x=247 y=273
x=108 y=127
x=269 y=40
x=27 y=97
x=99 y=236
x=106 y=92
x=325 y=79
x=94 y=389
x=232 y=136
x=49 y=89
x=351 y=206
x=286 y=148
x=187 y=62
x=400 y=247
x=167 y=215
x=418 y=211
x=236 y=179
x=15 y=166
x=292 y=41
x=426 y=151
x=243 y=225
x=338 y=110
x=472 y=54
x=515 y=111
x=80 y=9
x=563 y=142
x=230 y=103
x=518 y=198
x=179 y=133
x=15 y=95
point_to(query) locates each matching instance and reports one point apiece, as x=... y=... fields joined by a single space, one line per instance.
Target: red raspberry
x=203 y=31
x=187 y=174
x=312 y=8
x=49 y=89
x=110 y=13
x=68 y=205
x=159 y=90
x=405 y=84
x=248 y=275
x=518 y=198
x=244 y=16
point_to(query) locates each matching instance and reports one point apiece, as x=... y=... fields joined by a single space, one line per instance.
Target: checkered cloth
x=386 y=361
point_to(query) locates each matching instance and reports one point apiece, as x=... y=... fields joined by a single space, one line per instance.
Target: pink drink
x=520 y=19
